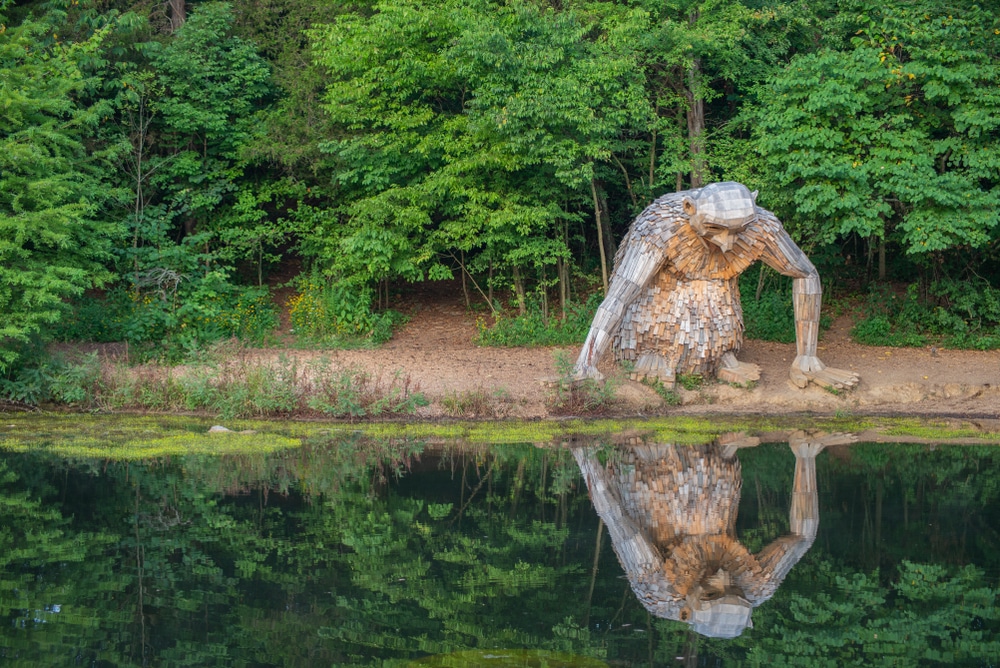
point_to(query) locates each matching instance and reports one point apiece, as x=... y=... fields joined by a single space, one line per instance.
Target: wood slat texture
x=689 y=314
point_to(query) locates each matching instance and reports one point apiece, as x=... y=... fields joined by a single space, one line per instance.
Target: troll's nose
x=724 y=240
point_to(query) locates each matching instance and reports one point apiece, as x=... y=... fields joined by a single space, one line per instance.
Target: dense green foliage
x=54 y=235
x=892 y=131
x=158 y=165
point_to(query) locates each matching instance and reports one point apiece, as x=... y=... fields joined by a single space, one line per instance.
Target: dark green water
x=349 y=551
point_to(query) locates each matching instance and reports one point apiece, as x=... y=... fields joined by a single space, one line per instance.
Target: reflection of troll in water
x=671 y=513
x=673 y=304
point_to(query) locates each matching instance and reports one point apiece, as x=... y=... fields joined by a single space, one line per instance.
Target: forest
x=165 y=166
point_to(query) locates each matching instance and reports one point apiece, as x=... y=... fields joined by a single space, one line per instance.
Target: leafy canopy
x=53 y=236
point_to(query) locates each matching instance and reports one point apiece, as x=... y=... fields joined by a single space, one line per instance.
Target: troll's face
x=720 y=211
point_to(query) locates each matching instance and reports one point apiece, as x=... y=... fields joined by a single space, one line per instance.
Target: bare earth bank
x=435 y=351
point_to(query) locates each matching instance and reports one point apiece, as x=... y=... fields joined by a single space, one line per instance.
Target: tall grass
x=236 y=385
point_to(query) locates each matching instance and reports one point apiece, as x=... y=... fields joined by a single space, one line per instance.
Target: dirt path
x=435 y=352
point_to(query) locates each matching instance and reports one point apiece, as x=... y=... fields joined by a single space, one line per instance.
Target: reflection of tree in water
x=671 y=513
x=354 y=552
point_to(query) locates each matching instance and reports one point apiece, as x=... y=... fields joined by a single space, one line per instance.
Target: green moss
x=934 y=429
x=685 y=429
x=131 y=437
x=175 y=445
x=135 y=437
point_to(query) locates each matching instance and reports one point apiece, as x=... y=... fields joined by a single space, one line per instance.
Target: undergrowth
x=771 y=317
x=953 y=314
x=336 y=313
x=170 y=325
x=669 y=396
x=534 y=329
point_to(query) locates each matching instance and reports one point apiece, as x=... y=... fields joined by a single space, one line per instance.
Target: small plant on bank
x=670 y=397
x=242 y=388
x=690 y=381
x=573 y=397
x=354 y=393
x=749 y=386
x=145 y=387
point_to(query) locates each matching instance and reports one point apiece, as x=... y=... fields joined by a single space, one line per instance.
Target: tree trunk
x=519 y=290
x=881 y=259
x=561 y=275
x=878 y=520
x=260 y=265
x=489 y=287
x=564 y=273
x=652 y=161
x=465 y=286
x=600 y=235
x=177 y=14
x=545 y=295
x=696 y=114
x=609 y=242
x=869 y=258
x=518 y=486
x=696 y=124
x=593 y=572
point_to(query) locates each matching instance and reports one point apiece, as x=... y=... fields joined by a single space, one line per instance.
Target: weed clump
x=571 y=396
x=479 y=403
x=669 y=396
x=336 y=313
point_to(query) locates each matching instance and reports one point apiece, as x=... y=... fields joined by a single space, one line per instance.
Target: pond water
x=625 y=548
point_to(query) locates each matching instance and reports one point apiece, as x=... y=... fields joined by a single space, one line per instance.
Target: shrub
x=57 y=379
x=334 y=311
x=532 y=329
x=175 y=320
x=772 y=317
x=356 y=393
x=670 y=397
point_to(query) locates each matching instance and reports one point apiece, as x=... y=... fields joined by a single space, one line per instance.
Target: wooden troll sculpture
x=673 y=305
